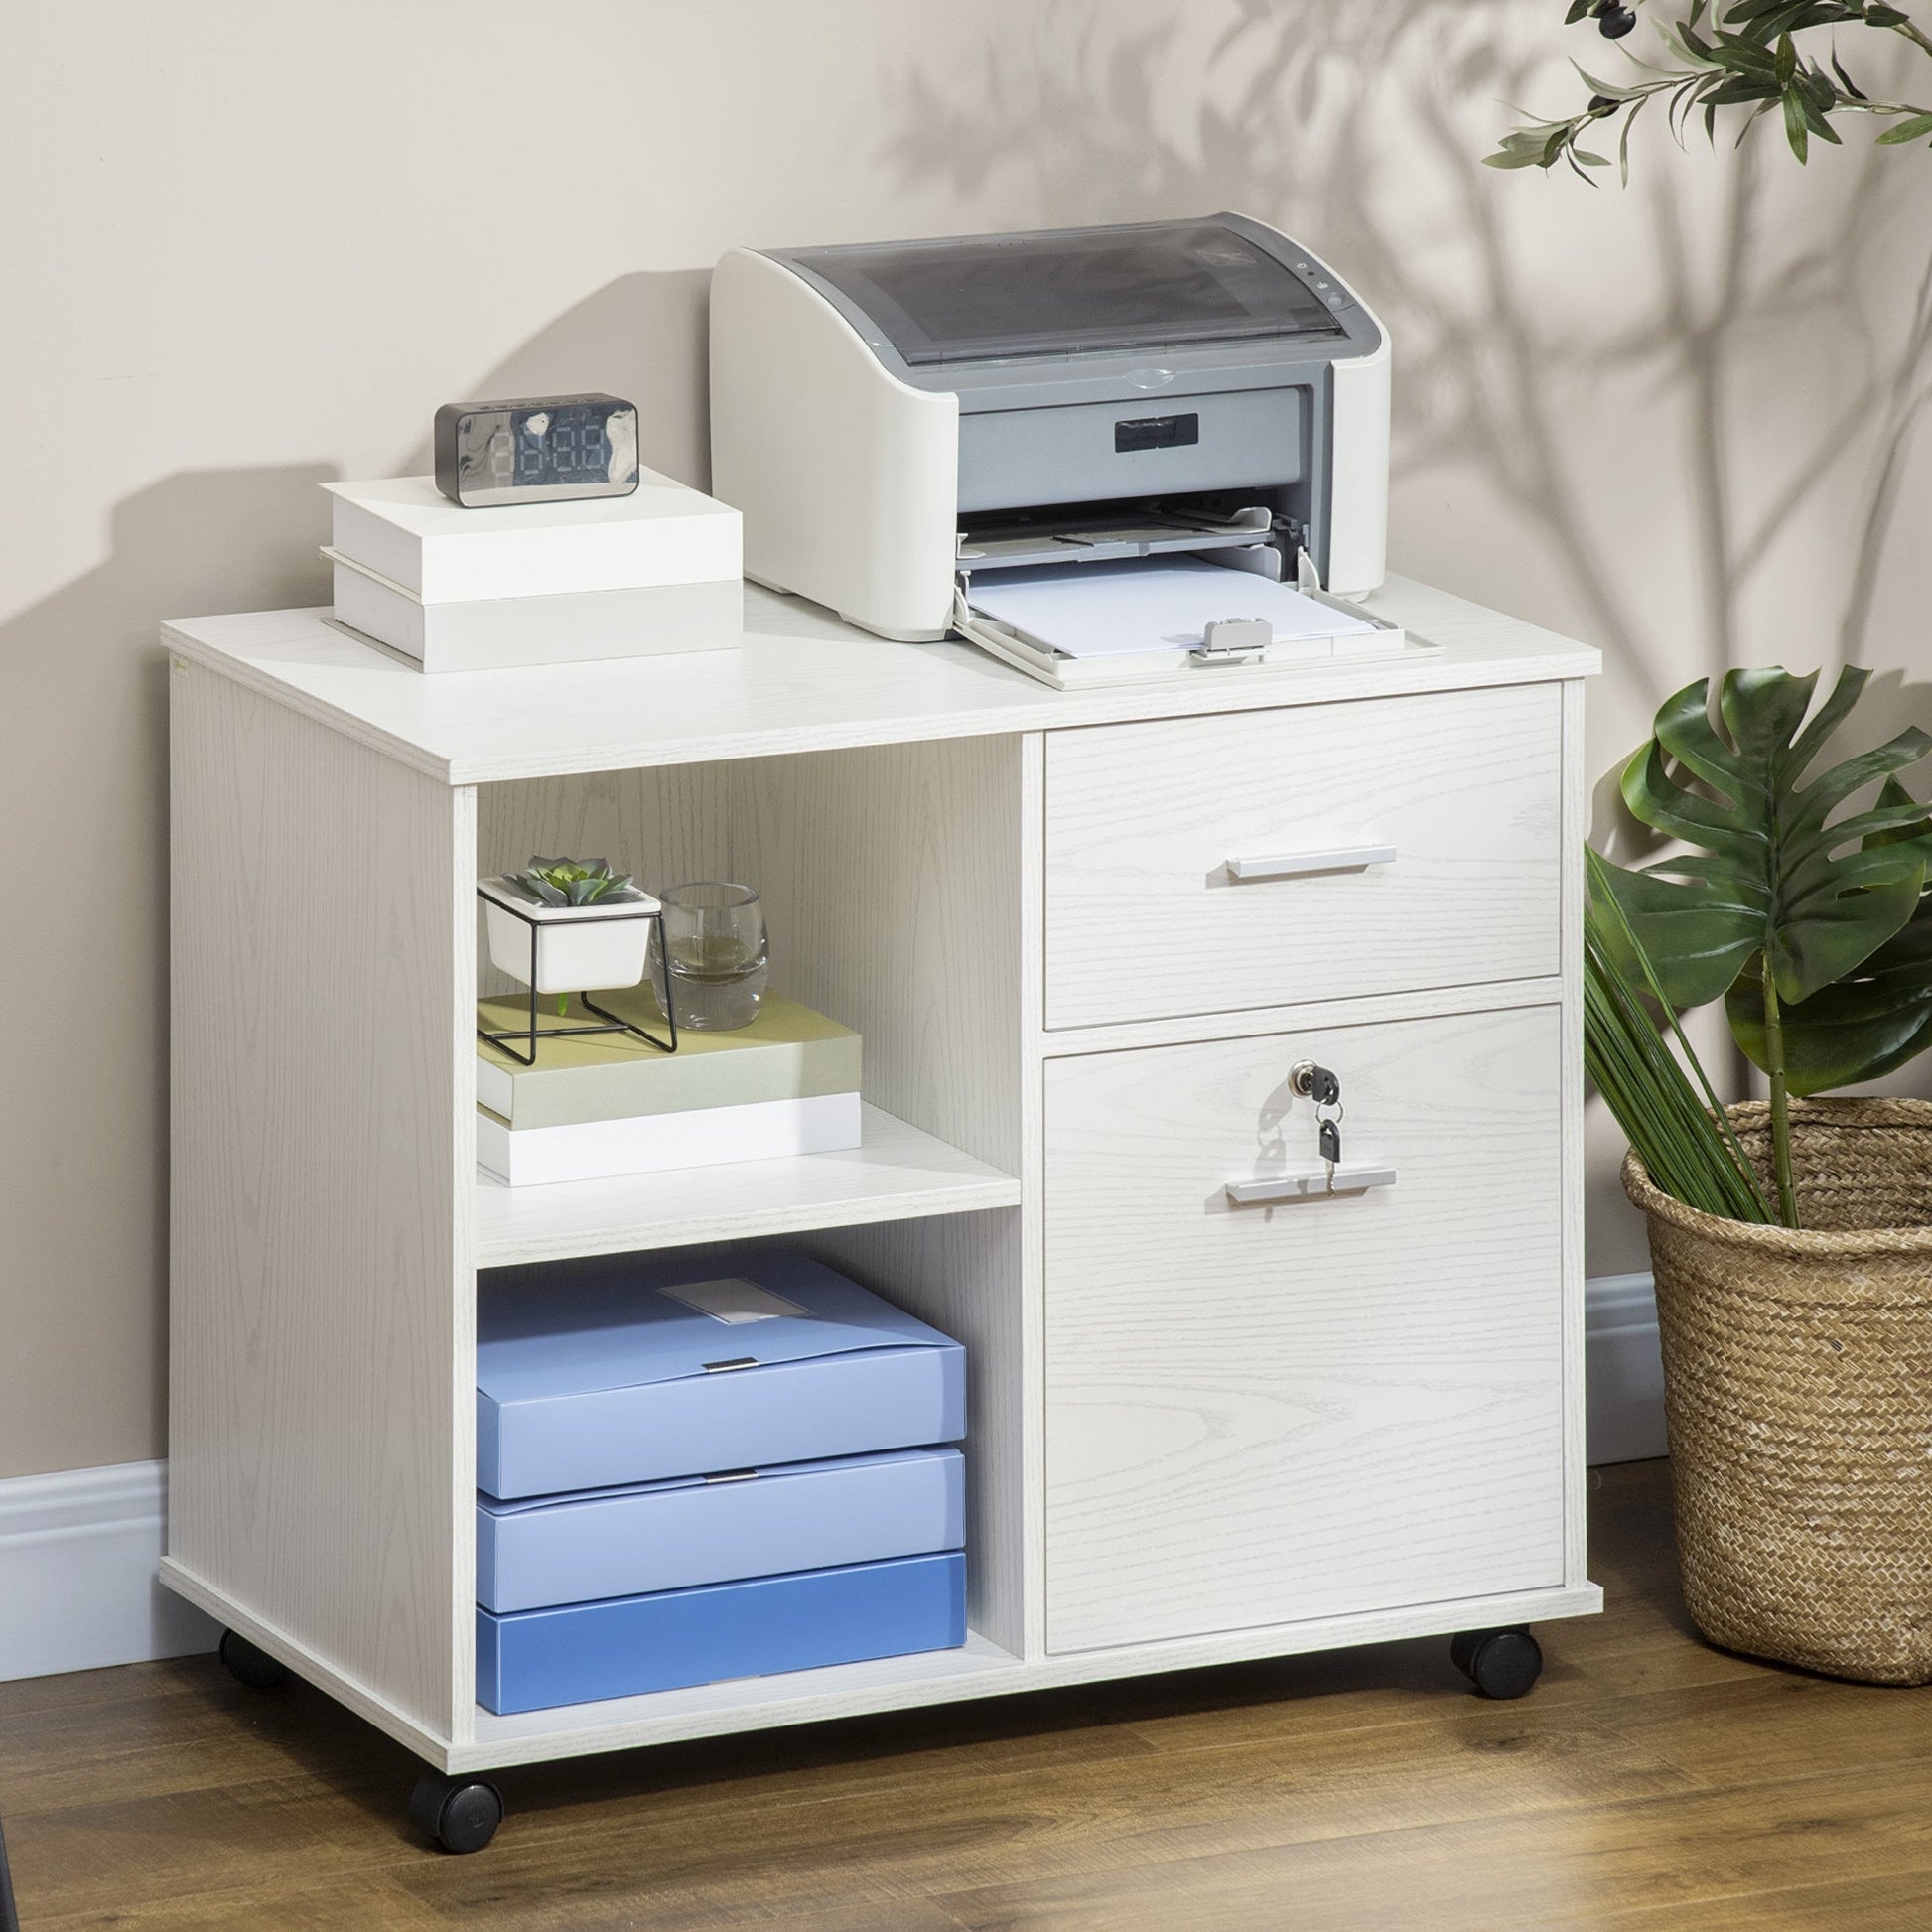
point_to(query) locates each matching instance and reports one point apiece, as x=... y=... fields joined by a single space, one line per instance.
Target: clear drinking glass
x=718 y=955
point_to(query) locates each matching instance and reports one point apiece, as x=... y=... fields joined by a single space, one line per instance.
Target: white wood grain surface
x=802 y=681
x=892 y=883
x=979 y=1669
x=1144 y=919
x=897 y=1172
x=321 y=1305
x=1257 y=1415
x=1197 y=1433
x=1575 y=827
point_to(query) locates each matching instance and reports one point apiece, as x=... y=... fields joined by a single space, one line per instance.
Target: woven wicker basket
x=1798 y=1391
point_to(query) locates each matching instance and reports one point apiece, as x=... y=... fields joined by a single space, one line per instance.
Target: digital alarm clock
x=537 y=450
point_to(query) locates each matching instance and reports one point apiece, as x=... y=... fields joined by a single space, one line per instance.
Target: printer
x=893 y=418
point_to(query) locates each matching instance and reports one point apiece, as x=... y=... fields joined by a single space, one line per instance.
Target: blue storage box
x=635 y=1370
x=694 y=1530
x=627 y=1645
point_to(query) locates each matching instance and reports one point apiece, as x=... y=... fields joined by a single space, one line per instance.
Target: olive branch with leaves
x=1736 y=53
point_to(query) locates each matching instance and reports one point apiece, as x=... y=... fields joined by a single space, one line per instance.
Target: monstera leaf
x=1769 y=883
x=1875 y=1018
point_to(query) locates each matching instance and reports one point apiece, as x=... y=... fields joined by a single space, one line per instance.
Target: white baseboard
x=1623 y=1370
x=78 y=1551
x=79 y=1555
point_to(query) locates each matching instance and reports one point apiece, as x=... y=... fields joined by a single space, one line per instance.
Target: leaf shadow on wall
x=1359 y=125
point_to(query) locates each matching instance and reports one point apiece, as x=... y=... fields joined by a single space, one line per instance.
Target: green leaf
x=1764 y=873
x=1885 y=17
x=1916 y=129
x=1608 y=89
x=1796 y=128
x=1787 y=60
x=1577 y=8
x=1845 y=80
x=1623 y=144
x=1875 y=1018
x=1681 y=1132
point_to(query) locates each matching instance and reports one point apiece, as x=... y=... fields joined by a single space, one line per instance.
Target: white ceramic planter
x=580 y=948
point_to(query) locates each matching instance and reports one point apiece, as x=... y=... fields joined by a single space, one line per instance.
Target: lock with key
x=1318 y=1084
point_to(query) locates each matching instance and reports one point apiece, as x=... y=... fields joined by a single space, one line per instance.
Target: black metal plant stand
x=534 y=1032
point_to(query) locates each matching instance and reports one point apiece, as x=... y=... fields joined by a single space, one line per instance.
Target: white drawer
x=1260 y=1414
x=1264 y=858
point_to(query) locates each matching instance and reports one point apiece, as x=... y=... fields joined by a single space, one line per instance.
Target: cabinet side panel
x=315 y=1339
x=891 y=880
x=1575 y=827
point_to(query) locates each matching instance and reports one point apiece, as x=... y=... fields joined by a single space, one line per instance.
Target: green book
x=789 y=1052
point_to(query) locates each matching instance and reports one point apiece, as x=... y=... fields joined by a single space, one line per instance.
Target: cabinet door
x=1263 y=1413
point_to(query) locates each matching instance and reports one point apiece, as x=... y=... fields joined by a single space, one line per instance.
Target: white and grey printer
x=895 y=420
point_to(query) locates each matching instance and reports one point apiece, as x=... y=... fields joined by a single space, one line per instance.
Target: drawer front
x=1258 y=1413
x=1264 y=858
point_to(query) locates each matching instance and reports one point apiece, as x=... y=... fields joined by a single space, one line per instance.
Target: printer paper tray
x=1066 y=673
x=1107 y=540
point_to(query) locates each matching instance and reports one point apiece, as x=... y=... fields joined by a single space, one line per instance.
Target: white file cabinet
x=1219 y=1408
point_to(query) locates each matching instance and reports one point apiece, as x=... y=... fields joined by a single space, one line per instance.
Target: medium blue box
x=628 y=1645
x=695 y=1530
x=635 y=1370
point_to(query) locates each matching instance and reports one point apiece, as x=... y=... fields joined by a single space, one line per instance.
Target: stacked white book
x=598 y=1105
x=467 y=590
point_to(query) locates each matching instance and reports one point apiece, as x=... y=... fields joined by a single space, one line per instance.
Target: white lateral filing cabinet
x=1219 y=1409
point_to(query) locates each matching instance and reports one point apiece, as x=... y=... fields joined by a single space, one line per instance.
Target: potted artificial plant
x=589 y=927
x=1791 y=1240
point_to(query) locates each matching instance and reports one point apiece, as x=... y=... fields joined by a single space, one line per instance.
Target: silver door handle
x=1313 y=1184
x=1296 y=865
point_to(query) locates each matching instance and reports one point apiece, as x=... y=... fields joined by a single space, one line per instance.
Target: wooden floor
x=1649 y=1784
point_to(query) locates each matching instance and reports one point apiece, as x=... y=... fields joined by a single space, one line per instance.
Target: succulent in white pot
x=592 y=927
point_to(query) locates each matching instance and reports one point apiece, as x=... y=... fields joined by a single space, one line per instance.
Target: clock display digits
x=562 y=445
x=537 y=449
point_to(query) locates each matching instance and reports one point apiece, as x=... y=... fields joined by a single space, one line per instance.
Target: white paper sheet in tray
x=1108 y=623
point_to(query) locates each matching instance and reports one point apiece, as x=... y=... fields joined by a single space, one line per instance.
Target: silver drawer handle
x=1295 y=864
x=1313 y=1185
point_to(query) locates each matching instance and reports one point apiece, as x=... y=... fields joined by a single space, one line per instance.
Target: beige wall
x=246 y=247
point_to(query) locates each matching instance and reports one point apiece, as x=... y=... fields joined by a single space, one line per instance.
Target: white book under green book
x=601 y=1105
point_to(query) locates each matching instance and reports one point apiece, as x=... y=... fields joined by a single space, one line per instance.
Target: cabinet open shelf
x=743 y=1703
x=895 y=1173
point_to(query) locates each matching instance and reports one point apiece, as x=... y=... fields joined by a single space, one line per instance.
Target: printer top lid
x=1074 y=291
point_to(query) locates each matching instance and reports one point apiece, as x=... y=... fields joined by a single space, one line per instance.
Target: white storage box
x=463 y=590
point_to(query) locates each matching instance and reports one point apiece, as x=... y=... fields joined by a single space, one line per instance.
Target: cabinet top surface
x=802 y=681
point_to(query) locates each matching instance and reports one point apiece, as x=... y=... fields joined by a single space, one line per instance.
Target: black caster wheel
x=460 y=1814
x=1499 y=1663
x=247 y=1663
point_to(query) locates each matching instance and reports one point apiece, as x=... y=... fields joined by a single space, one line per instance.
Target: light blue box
x=599 y=1375
x=628 y=1645
x=695 y=1530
